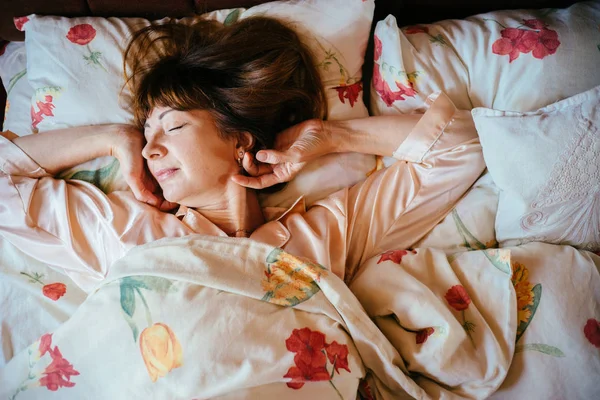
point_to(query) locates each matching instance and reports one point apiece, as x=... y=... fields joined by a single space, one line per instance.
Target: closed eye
x=177 y=127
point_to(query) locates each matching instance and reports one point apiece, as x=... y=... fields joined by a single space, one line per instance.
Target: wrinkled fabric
x=77 y=229
x=238 y=335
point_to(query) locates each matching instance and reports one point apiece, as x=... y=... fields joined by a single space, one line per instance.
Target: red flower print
x=458 y=298
x=310 y=359
x=547 y=43
x=416 y=29
x=307 y=345
x=302 y=373
x=338 y=356
x=592 y=331
x=385 y=92
x=378 y=48
x=538 y=38
x=58 y=373
x=45 y=109
x=423 y=334
x=81 y=34
x=349 y=92
x=534 y=23
x=54 y=291
x=45 y=344
x=395 y=255
x=19 y=22
x=514 y=41
x=404 y=91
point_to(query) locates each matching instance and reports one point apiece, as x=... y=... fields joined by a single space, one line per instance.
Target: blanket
x=204 y=317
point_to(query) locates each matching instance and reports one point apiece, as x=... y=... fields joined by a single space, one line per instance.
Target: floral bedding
x=256 y=322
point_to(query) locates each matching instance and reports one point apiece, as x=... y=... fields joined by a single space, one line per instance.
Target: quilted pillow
x=75 y=66
x=547 y=166
x=13 y=72
x=517 y=60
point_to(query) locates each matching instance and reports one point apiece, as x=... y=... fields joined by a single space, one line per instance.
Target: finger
x=249 y=165
x=256 y=182
x=272 y=156
x=166 y=205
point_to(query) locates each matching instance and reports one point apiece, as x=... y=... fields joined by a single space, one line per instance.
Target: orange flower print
x=161 y=350
x=290 y=280
x=53 y=291
x=524 y=290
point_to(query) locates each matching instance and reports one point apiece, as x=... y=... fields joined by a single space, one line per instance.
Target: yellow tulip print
x=161 y=350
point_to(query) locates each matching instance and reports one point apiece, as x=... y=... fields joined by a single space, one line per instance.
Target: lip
x=164 y=174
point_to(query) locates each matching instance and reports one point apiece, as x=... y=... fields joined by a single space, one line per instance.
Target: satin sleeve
x=70 y=225
x=394 y=208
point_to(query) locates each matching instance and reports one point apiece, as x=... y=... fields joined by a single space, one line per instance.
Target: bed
x=501 y=299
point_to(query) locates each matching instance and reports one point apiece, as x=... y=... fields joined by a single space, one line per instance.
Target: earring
x=240 y=158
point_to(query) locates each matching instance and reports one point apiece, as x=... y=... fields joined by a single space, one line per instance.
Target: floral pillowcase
x=518 y=60
x=13 y=72
x=75 y=68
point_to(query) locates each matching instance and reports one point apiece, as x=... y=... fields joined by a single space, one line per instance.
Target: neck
x=238 y=214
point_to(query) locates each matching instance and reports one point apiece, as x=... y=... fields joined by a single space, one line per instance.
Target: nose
x=153 y=150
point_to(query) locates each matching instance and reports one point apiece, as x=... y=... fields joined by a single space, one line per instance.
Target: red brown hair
x=253 y=76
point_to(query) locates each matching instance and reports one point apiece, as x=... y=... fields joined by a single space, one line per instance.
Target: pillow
x=517 y=60
x=75 y=66
x=547 y=166
x=13 y=72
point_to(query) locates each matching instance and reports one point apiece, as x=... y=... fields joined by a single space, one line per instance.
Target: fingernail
x=260 y=156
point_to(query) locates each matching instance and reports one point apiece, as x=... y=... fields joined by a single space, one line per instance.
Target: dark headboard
x=406 y=12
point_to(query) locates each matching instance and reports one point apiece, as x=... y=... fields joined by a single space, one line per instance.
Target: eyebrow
x=159 y=117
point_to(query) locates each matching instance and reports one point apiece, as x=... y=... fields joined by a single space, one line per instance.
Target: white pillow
x=547 y=165
x=13 y=72
x=83 y=72
x=472 y=60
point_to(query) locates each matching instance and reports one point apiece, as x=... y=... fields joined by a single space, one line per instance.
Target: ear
x=245 y=142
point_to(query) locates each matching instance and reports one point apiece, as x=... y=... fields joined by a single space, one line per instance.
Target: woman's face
x=188 y=158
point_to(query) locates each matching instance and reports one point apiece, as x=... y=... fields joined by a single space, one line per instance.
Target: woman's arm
x=311 y=139
x=61 y=149
x=379 y=135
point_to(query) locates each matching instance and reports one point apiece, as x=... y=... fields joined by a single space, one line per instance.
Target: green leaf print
x=232 y=17
x=13 y=81
x=155 y=283
x=537 y=296
x=102 y=178
x=127 y=299
x=542 y=348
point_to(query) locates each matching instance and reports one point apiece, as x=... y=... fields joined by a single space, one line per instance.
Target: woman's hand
x=293 y=148
x=127 y=148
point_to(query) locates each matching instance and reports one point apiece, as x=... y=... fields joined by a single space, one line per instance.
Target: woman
x=210 y=102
